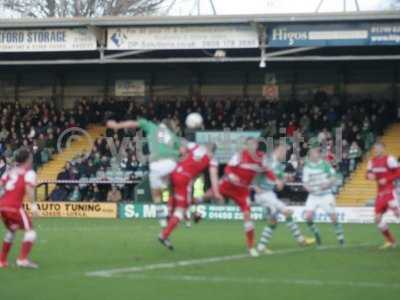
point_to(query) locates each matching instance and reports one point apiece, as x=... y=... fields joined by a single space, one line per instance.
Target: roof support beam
x=290 y=51
x=125 y=53
x=189 y=60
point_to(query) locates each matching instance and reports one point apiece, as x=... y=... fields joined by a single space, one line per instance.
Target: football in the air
x=194 y=120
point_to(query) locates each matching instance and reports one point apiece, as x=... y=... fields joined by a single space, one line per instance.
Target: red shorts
x=181 y=192
x=14 y=219
x=385 y=201
x=240 y=195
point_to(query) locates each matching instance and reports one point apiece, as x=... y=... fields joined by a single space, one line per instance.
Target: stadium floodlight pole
x=357 y=5
x=321 y=2
x=198 y=7
x=213 y=7
x=170 y=6
x=319 y=6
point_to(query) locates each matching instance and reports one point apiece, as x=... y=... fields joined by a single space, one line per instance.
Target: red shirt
x=195 y=162
x=14 y=183
x=244 y=167
x=384 y=166
x=291 y=129
x=330 y=157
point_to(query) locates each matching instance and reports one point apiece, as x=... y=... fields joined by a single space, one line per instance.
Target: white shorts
x=268 y=199
x=325 y=202
x=159 y=172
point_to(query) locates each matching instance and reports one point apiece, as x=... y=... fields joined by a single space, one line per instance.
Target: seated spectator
x=114 y=195
x=2 y=147
x=93 y=194
x=75 y=195
x=3 y=165
x=291 y=129
x=354 y=156
x=62 y=190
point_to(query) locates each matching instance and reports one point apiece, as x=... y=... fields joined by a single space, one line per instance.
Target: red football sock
x=388 y=236
x=172 y=223
x=170 y=205
x=25 y=250
x=5 y=250
x=250 y=238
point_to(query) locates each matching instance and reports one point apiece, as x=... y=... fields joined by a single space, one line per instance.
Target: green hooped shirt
x=275 y=166
x=163 y=143
x=316 y=174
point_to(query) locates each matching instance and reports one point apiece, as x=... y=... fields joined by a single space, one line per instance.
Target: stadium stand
x=359 y=123
x=358 y=189
x=268 y=82
x=51 y=170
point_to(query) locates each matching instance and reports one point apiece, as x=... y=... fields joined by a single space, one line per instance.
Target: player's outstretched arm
x=30 y=184
x=275 y=178
x=30 y=194
x=121 y=125
x=370 y=175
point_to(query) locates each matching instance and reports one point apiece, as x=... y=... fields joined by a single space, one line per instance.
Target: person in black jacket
x=3 y=165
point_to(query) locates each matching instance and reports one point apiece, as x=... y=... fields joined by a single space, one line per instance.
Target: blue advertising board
x=334 y=34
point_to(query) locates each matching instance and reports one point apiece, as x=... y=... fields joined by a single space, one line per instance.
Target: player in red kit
x=384 y=169
x=17 y=183
x=196 y=160
x=239 y=175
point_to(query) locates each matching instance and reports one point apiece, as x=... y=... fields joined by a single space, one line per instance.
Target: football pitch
x=121 y=259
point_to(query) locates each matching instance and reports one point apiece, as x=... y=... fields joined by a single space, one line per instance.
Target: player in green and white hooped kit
x=273 y=207
x=165 y=148
x=318 y=179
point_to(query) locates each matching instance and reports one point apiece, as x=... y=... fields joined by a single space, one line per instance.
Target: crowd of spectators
x=345 y=129
x=37 y=127
x=101 y=165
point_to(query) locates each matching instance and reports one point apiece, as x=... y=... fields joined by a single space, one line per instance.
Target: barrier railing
x=294 y=194
x=45 y=184
x=296 y=188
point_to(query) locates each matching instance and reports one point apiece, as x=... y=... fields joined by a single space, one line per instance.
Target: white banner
x=182 y=37
x=60 y=39
x=128 y=87
x=361 y=215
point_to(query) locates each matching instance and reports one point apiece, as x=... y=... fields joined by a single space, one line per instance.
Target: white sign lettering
x=182 y=37
x=60 y=39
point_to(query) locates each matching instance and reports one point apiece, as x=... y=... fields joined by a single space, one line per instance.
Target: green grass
x=68 y=248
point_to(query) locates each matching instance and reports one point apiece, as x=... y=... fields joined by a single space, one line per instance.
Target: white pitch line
x=171 y=265
x=265 y=280
x=87 y=229
x=200 y=261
